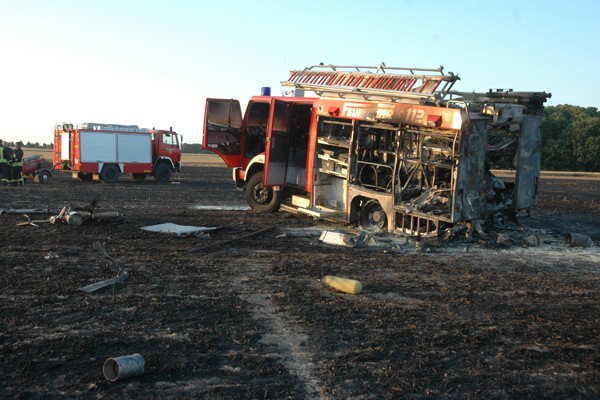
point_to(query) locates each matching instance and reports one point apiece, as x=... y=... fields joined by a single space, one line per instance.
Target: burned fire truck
x=104 y=151
x=392 y=149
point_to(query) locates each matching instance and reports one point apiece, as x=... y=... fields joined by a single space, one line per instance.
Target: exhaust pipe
x=123 y=367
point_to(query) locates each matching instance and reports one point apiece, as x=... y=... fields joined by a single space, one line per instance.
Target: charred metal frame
x=421 y=180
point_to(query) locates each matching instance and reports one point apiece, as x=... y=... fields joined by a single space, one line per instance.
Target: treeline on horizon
x=570 y=139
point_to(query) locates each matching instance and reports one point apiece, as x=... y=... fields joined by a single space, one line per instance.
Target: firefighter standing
x=3 y=165
x=8 y=152
x=17 y=166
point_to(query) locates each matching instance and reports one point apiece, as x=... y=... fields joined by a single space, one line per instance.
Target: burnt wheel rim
x=374 y=216
x=261 y=194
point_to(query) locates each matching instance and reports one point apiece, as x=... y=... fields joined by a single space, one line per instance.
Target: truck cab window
x=256 y=129
x=169 y=139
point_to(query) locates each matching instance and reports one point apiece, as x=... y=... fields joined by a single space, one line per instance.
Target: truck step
x=322 y=212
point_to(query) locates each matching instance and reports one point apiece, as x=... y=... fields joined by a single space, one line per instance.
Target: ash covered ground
x=250 y=318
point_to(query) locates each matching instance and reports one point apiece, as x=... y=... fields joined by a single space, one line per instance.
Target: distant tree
x=191 y=148
x=571 y=138
x=586 y=143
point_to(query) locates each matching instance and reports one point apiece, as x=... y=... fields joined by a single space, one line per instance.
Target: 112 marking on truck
x=391 y=149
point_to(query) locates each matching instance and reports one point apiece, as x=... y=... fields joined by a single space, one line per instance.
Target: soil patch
x=251 y=319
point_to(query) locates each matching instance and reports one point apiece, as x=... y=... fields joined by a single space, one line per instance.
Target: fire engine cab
x=392 y=149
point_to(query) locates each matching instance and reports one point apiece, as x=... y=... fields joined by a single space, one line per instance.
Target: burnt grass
x=251 y=319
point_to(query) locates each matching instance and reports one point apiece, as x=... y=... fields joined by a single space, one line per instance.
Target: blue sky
x=153 y=63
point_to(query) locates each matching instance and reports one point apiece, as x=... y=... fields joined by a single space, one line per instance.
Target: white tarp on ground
x=170 y=227
x=345 y=239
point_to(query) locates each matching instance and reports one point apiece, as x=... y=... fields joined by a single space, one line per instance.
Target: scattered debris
x=32 y=222
x=90 y=212
x=298 y=234
x=503 y=239
x=14 y=211
x=123 y=367
x=259 y=232
x=499 y=238
x=51 y=256
x=74 y=215
x=248 y=252
x=345 y=239
x=178 y=229
x=578 y=240
x=418 y=246
x=122 y=274
x=532 y=240
x=349 y=286
x=219 y=208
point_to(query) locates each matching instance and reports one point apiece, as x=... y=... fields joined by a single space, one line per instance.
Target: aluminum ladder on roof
x=373 y=83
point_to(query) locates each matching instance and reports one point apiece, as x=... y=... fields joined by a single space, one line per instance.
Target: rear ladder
x=373 y=83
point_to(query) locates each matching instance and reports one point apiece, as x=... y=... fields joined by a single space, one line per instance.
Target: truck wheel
x=162 y=173
x=109 y=173
x=260 y=198
x=44 y=176
x=138 y=177
x=372 y=216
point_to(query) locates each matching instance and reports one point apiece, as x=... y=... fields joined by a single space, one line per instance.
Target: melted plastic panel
x=470 y=174
x=528 y=164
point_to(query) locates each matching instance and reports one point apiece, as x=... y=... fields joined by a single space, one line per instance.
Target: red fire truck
x=104 y=151
x=392 y=149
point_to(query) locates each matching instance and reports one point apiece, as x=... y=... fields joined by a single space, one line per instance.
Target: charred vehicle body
x=393 y=149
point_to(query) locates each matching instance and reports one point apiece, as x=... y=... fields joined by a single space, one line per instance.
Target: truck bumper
x=238 y=178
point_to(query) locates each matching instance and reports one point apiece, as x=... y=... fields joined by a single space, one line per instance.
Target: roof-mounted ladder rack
x=533 y=101
x=373 y=83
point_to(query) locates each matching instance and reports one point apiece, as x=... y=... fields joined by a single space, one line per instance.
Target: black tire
x=162 y=173
x=138 y=177
x=372 y=216
x=260 y=198
x=44 y=176
x=110 y=173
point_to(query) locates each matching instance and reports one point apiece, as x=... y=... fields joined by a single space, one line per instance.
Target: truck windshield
x=170 y=139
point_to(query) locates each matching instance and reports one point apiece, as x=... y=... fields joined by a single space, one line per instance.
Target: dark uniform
x=3 y=165
x=17 y=166
x=8 y=152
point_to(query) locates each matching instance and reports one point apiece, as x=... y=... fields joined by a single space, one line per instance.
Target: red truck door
x=277 y=149
x=223 y=130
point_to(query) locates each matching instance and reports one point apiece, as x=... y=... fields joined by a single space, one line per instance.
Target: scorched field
x=226 y=314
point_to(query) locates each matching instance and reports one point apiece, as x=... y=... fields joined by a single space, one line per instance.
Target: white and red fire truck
x=104 y=151
x=392 y=149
